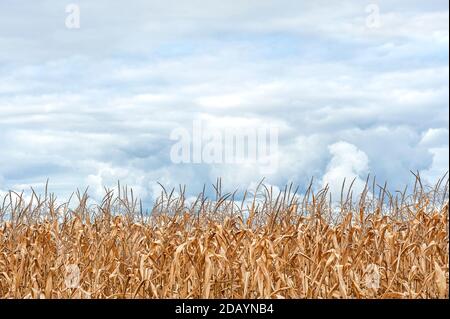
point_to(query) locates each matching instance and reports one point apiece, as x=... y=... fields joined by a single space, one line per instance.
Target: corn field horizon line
x=379 y=192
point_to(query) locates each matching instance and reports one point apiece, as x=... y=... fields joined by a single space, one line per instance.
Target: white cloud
x=2 y=190
x=347 y=162
x=436 y=140
x=439 y=166
x=435 y=137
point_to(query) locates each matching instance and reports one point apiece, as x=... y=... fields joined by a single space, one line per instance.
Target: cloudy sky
x=354 y=87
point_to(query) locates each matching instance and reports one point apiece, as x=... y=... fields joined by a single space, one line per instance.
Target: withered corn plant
x=375 y=244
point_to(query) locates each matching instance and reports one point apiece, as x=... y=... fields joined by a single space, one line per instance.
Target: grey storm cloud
x=93 y=105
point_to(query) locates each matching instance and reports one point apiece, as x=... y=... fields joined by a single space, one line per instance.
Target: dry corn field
x=374 y=245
